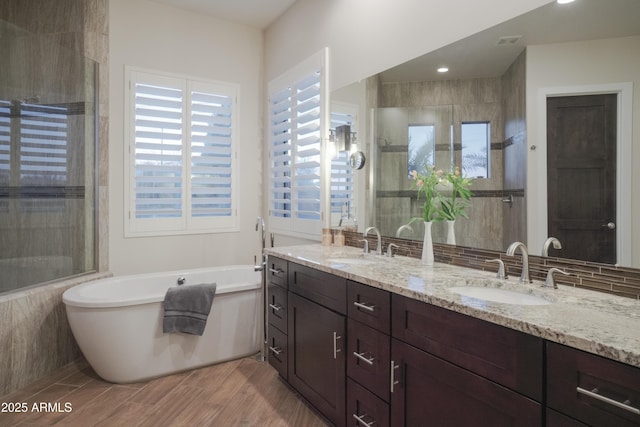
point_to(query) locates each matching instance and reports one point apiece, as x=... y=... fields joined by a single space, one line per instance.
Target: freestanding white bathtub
x=117 y=323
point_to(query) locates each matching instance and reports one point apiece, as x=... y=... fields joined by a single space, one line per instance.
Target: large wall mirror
x=509 y=79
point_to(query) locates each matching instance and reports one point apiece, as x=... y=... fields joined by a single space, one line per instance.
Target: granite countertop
x=595 y=322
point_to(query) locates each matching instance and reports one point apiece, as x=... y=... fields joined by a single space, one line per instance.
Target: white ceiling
x=479 y=56
x=255 y=13
x=473 y=57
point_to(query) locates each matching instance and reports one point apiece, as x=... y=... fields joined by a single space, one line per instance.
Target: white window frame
x=294 y=225
x=186 y=223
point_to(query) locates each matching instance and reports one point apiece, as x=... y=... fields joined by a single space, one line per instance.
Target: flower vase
x=451 y=233
x=427 y=245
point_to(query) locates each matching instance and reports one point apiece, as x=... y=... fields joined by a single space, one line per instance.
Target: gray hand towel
x=187 y=307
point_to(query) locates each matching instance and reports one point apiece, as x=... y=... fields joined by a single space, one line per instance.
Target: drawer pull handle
x=393 y=375
x=594 y=393
x=364 y=306
x=276 y=307
x=276 y=270
x=364 y=358
x=276 y=350
x=336 y=350
x=360 y=420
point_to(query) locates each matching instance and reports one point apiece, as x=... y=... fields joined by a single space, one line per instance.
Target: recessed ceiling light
x=443 y=69
x=564 y=1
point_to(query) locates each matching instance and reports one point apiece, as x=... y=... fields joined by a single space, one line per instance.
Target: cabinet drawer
x=508 y=357
x=277 y=352
x=370 y=306
x=592 y=389
x=277 y=271
x=364 y=408
x=277 y=306
x=320 y=287
x=368 y=357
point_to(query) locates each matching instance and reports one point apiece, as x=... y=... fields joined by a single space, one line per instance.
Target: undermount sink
x=350 y=261
x=503 y=296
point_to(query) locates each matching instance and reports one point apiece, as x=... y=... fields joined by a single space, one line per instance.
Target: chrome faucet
x=511 y=250
x=550 y=282
x=502 y=272
x=549 y=242
x=346 y=215
x=402 y=228
x=390 y=249
x=379 y=244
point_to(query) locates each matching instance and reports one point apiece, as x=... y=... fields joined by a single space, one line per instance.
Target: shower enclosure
x=47 y=159
x=405 y=139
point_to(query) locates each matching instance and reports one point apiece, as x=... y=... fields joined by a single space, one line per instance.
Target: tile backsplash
x=607 y=278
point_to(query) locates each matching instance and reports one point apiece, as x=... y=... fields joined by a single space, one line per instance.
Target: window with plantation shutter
x=34 y=157
x=181 y=155
x=296 y=108
x=343 y=180
x=5 y=153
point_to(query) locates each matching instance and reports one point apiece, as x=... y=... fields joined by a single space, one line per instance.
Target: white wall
x=157 y=37
x=365 y=37
x=598 y=63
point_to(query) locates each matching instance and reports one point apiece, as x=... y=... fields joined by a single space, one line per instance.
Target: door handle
x=610 y=225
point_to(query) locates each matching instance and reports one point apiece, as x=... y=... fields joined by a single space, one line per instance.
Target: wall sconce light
x=343 y=138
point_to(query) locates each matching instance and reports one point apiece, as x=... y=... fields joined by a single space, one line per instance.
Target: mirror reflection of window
x=343 y=180
x=421 y=148
x=476 y=144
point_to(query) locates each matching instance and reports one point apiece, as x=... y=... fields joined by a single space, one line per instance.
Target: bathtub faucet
x=181 y=280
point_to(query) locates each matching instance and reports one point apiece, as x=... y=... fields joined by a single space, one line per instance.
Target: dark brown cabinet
x=430 y=391
x=368 y=355
x=365 y=408
x=592 y=389
x=452 y=369
x=277 y=283
x=317 y=340
x=505 y=356
x=363 y=356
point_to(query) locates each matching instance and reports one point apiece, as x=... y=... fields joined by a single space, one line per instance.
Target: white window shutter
x=182 y=155
x=296 y=108
x=158 y=150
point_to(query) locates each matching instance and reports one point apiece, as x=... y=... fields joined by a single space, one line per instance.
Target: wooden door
x=317 y=364
x=581 y=176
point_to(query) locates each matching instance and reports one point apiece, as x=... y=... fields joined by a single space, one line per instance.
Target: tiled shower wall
x=515 y=151
x=35 y=338
x=471 y=100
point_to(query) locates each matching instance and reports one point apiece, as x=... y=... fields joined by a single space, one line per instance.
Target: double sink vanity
x=370 y=340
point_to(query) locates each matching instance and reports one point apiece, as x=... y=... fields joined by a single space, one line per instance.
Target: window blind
x=211 y=154
x=43 y=145
x=295 y=154
x=158 y=151
x=183 y=155
x=342 y=177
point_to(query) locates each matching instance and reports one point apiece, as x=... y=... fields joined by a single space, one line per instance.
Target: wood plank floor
x=243 y=392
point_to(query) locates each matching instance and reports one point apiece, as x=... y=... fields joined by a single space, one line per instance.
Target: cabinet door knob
x=361 y=356
x=595 y=394
x=364 y=306
x=336 y=350
x=276 y=350
x=361 y=421
x=276 y=307
x=393 y=375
